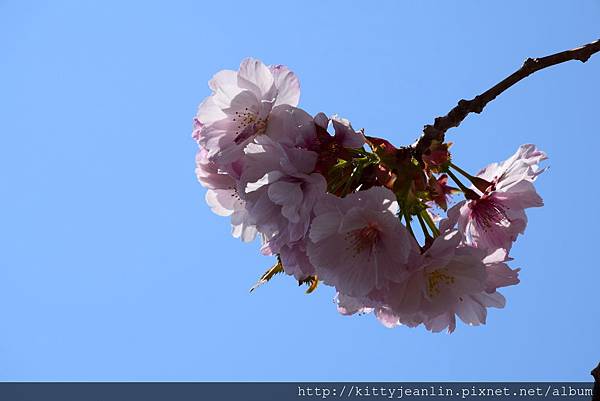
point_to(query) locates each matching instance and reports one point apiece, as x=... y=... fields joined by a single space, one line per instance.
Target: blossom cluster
x=354 y=212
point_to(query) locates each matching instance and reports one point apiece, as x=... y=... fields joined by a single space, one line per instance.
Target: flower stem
x=408 y=226
x=424 y=227
x=457 y=181
x=461 y=171
x=469 y=193
x=430 y=223
x=479 y=183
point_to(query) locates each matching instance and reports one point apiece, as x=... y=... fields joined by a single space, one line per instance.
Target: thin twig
x=476 y=105
x=596 y=392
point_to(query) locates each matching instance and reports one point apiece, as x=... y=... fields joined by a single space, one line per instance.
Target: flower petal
x=288 y=86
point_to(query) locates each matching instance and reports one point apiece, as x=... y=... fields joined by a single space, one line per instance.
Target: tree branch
x=596 y=392
x=476 y=105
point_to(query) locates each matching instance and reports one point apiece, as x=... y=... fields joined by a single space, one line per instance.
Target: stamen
x=435 y=278
x=362 y=239
x=235 y=194
x=489 y=213
x=248 y=124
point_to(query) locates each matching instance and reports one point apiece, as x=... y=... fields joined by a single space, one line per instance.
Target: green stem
x=461 y=171
x=457 y=181
x=430 y=223
x=469 y=193
x=479 y=183
x=410 y=230
x=423 y=226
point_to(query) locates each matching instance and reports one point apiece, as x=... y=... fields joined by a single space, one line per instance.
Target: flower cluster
x=353 y=211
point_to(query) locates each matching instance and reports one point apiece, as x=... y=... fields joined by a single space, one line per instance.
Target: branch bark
x=477 y=104
x=596 y=392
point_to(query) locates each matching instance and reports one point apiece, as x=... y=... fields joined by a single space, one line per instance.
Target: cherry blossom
x=472 y=308
x=241 y=106
x=345 y=209
x=357 y=242
x=449 y=281
x=223 y=197
x=441 y=276
x=295 y=261
x=496 y=219
x=281 y=190
x=344 y=134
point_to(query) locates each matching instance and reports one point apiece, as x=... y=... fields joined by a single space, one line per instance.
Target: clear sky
x=113 y=268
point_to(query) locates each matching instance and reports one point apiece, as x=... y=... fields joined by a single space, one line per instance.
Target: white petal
x=254 y=73
x=288 y=86
x=223 y=78
x=283 y=193
x=471 y=312
x=209 y=112
x=212 y=199
x=266 y=179
x=321 y=120
x=493 y=300
x=324 y=225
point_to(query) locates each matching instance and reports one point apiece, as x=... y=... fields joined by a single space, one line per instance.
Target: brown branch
x=476 y=105
x=596 y=392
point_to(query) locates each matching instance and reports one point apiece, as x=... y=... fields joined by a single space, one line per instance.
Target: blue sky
x=113 y=268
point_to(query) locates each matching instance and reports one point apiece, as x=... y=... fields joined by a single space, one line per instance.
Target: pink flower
x=524 y=164
x=223 y=196
x=344 y=134
x=440 y=277
x=332 y=148
x=281 y=190
x=357 y=243
x=450 y=280
x=241 y=107
x=498 y=273
x=291 y=127
x=295 y=260
x=496 y=219
x=347 y=305
x=440 y=190
x=268 y=166
x=226 y=202
x=472 y=308
x=208 y=174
